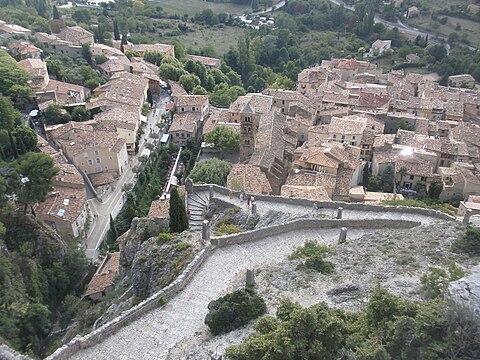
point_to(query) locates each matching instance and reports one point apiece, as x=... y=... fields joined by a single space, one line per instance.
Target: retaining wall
x=334 y=204
x=135 y=312
x=176 y=286
x=309 y=224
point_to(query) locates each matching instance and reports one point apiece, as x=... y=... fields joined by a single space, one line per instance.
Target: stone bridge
x=150 y=332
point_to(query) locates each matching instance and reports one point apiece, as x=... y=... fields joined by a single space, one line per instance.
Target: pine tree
x=149 y=97
x=116 y=32
x=56 y=15
x=178 y=215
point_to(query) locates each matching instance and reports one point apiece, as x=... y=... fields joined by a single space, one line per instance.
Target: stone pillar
x=250 y=278
x=210 y=191
x=189 y=186
x=206 y=230
x=343 y=235
x=339 y=213
x=466 y=218
x=254 y=208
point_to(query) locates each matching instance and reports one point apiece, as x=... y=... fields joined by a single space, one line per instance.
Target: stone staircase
x=197 y=204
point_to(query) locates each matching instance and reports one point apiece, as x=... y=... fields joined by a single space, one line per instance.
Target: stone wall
x=307 y=224
x=176 y=286
x=135 y=312
x=335 y=204
x=9 y=354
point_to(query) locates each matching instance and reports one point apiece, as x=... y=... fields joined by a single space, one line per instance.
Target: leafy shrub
x=436 y=282
x=182 y=246
x=469 y=243
x=163 y=238
x=227 y=229
x=313 y=253
x=234 y=310
x=425 y=204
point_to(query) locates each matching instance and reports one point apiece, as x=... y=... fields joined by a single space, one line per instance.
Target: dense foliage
x=234 y=310
x=388 y=328
x=178 y=220
x=312 y=253
x=37 y=272
x=224 y=138
x=211 y=171
x=469 y=243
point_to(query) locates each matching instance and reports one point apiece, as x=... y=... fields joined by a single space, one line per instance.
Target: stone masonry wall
x=335 y=204
x=176 y=286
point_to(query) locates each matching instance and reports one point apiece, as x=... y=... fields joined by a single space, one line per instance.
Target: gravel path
x=159 y=331
x=153 y=335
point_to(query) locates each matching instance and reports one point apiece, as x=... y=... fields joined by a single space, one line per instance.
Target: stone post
x=339 y=213
x=254 y=208
x=343 y=235
x=466 y=218
x=216 y=356
x=189 y=186
x=250 y=278
x=210 y=191
x=206 y=230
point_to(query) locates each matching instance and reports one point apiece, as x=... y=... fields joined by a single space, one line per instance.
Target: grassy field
x=220 y=38
x=470 y=28
x=191 y=7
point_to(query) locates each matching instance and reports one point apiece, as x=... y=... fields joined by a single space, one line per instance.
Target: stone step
x=196 y=201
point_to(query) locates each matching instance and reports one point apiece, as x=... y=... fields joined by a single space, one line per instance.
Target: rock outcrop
x=466 y=291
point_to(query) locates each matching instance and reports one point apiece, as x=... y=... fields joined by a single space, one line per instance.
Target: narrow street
x=113 y=204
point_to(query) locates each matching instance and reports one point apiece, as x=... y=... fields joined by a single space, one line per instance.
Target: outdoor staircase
x=197 y=205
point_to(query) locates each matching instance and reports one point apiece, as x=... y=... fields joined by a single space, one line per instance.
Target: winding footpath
x=157 y=332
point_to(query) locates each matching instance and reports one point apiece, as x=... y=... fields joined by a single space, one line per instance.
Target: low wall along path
x=148 y=331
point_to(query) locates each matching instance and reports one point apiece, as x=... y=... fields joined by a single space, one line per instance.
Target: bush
x=469 y=243
x=436 y=282
x=425 y=204
x=234 y=310
x=163 y=238
x=313 y=255
x=227 y=229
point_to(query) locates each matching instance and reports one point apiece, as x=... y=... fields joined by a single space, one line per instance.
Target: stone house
x=123 y=121
x=309 y=80
x=9 y=30
x=248 y=178
x=412 y=12
x=184 y=127
x=67 y=42
x=25 y=50
x=90 y=150
x=460 y=180
x=282 y=99
x=167 y=50
x=209 y=62
x=103 y=281
x=193 y=103
x=462 y=81
x=379 y=47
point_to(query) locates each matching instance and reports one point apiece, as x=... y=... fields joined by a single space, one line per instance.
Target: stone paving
x=157 y=332
x=153 y=335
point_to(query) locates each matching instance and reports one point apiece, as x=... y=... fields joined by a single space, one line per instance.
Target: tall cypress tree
x=56 y=15
x=178 y=215
x=113 y=228
x=116 y=32
x=13 y=145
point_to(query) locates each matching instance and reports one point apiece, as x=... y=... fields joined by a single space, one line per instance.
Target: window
x=423 y=178
x=188 y=135
x=274 y=101
x=110 y=158
x=193 y=108
x=178 y=134
x=183 y=109
x=283 y=110
x=412 y=177
x=352 y=143
x=343 y=137
x=106 y=167
x=90 y=162
x=183 y=134
x=283 y=102
x=97 y=160
x=96 y=152
x=353 y=137
x=334 y=136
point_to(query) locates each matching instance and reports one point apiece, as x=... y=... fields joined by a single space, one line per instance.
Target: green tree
x=80 y=113
x=211 y=171
x=10 y=73
x=387 y=178
x=403 y=172
x=224 y=138
x=25 y=136
x=56 y=15
x=22 y=96
x=38 y=171
x=87 y=54
x=53 y=114
x=435 y=189
x=178 y=217
x=116 y=32
x=189 y=81
x=153 y=57
x=9 y=117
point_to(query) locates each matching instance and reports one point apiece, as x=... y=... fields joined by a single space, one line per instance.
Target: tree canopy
x=211 y=171
x=178 y=216
x=224 y=138
x=10 y=73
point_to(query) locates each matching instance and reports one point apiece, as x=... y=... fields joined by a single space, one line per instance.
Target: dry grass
x=191 y=7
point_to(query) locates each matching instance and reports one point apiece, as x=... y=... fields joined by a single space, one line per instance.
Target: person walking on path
x=248 y=202
x=241 y=197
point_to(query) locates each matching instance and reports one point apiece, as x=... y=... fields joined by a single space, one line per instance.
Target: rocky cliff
x=466 y=291
x=151 y=259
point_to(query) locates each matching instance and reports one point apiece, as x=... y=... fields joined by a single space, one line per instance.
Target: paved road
x=115 y=200
x=157 y=332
